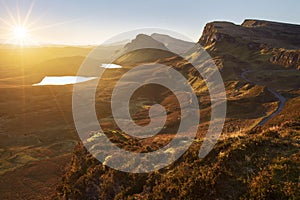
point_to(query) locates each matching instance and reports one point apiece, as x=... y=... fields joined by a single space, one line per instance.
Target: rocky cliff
x=255 y=43
x=253 y=33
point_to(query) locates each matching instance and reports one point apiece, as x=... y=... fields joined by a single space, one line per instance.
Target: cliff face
x=259 y=32
x=216 y=32
x=255 y=42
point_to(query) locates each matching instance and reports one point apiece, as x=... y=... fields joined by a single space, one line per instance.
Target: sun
x=20 y=33
x=18 y=28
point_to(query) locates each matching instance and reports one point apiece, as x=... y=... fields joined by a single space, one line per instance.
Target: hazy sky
x=93 y=21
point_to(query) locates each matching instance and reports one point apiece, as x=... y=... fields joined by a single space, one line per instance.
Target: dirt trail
x=276 y=94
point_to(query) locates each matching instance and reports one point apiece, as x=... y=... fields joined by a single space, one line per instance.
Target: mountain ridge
x=257 y=31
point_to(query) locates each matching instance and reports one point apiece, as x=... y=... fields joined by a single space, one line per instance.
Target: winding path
x=276 y=94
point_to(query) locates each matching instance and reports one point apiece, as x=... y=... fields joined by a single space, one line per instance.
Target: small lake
x=63 y=80
x=111 y=66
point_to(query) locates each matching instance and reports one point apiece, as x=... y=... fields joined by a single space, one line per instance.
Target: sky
x=80 y=22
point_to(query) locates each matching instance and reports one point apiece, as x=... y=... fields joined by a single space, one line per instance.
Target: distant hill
x=175 y=45
x=141 y=49
x=142 y=41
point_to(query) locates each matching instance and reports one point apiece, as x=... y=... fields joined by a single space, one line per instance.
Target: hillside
x=253 y=159
x=261 y=164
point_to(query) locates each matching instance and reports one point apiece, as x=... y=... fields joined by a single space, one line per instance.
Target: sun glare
x=19 y=28
x=20 y=32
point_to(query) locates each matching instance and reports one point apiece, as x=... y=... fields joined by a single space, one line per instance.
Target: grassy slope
x=262 y=164
x=36 y=123
x=247 y=163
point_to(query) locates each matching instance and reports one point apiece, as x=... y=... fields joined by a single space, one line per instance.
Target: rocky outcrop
x=289 y=59
x=214 y=32
x=255 y=34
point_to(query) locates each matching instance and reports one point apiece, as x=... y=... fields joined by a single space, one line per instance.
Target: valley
x=256 y=156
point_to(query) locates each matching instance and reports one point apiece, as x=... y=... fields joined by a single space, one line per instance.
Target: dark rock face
x=279 y=43
x=289 y=59
x=212 y=33
x=256 y=32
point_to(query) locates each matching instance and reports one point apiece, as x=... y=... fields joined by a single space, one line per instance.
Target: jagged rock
x=289 y=59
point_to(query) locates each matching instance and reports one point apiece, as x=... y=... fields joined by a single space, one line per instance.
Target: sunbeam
x=20 y=28
x=19 y=31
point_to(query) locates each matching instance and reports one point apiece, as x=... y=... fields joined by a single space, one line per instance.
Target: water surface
x=63 y=80
x=111 y=66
